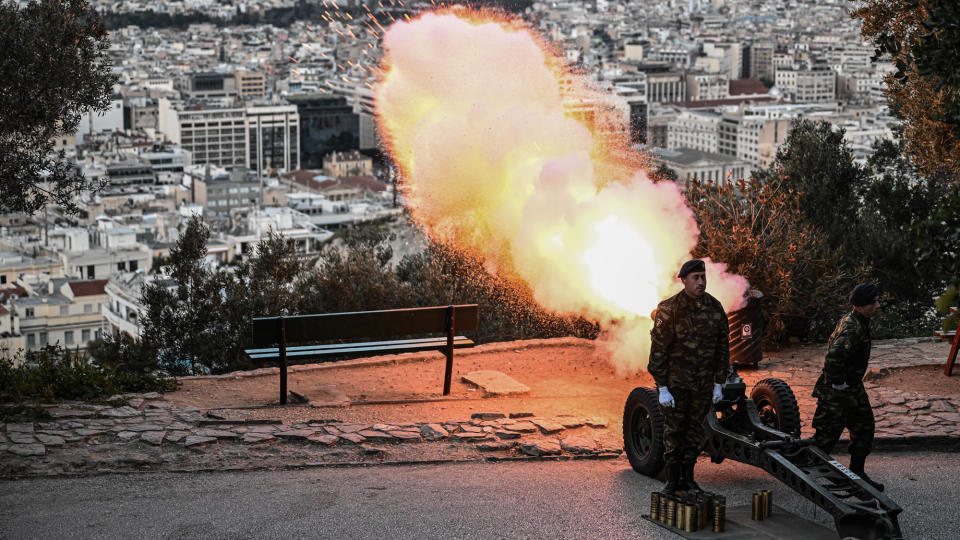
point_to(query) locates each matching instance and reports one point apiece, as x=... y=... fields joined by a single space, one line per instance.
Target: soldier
x=842 y=401
x=689 y=356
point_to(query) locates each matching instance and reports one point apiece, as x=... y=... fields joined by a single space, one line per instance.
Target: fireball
x=476 y=111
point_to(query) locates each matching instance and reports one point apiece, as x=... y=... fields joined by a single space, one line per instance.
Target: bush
x=55 y=374
x=758 y=229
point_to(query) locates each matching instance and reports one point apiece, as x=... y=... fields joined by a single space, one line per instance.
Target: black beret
x=695 y=265
x=864 y=294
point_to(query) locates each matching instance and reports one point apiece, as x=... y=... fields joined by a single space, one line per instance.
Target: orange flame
x=476 y=111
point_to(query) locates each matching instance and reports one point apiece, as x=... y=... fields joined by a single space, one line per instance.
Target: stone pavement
x=901 y=416
x=149 y=434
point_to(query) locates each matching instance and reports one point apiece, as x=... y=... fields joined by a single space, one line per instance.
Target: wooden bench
x=950 y=335
x=352 y=332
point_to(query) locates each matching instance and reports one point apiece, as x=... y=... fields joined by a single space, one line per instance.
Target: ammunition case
x=662 y=515
x=767 y=502
x=757 y=510
x=719 y=514
x=690 y=517
x=681 y=515
x=655 y=505
x=671 y=513
x=701 y=514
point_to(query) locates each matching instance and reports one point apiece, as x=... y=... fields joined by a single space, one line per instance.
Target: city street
x=542 y=499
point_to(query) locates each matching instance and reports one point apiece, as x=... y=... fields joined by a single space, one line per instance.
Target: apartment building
x=60 y=311
x=695 y=129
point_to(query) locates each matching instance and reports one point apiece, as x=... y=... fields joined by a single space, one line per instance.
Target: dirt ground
x=566 y=377
x=923 y=380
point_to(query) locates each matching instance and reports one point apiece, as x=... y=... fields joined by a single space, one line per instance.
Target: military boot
x=856 y=465
x=686 y=477
x=673 y=479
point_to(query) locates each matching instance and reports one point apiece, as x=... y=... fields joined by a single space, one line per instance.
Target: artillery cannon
x=764 y=431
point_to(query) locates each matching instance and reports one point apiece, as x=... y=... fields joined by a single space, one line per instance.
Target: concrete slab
x=494 y=383
x=780 y=525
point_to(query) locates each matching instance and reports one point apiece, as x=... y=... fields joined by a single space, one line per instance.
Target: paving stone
x=176 y=436
x=194 y=440
x=73 y=425
x=119 y=412
x=598 y=423
x=547 y=426
x=495 y=383
x=470 y=429
x=324 y=439
x=144 y=427
x=406 y=436
x=20 y=428
x=433 y=432
x=373 y=451
x=452 y=428
x=918 y=404
x=67 y=412
x=376 y=436
x=332 y=430
x=153 y=395
x=949 y=417
x=896 y=400
x=153 y=437
x=941 y=406
x=50 y=440
x=127 y=435
x=158 y=405
x=524 y=427
x=25 y=450
x=353 y=428
x=487 y=416
x=295 y=434
x=254 y=438
x=21 y=437
x=218 y=433
x=261 y=428
x=578 y=445
x=136 y=403
x=895 y=410
x=353 y=437
x=570 y=422
x=495 y=446
x=540 y=447
x=506 y=434
x=383 y=427
x=521 y=415
x=466 y=436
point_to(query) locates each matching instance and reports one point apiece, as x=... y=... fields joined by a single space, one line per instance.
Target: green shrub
x=56 y=374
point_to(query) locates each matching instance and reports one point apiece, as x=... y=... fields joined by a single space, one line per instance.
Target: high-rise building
x=327 y=124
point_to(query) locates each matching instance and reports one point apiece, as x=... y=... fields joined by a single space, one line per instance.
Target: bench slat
x=439 y=340
x=364 y=324
x=306 y=352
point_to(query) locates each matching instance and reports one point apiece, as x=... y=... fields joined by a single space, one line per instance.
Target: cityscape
x=264 y=127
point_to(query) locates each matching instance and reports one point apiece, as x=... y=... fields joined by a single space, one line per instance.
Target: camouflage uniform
x=848 y=352
x=689 y=352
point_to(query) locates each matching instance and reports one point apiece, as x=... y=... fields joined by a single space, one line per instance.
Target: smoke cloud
x=475 y=113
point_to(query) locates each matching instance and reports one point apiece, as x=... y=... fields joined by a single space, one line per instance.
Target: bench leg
x=448 y=372
x=948 y=370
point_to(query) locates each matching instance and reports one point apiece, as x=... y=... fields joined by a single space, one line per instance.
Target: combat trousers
x=839 y=409
x=683 y=425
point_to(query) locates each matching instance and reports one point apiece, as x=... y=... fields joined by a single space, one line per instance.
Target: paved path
x=148 y=434
x=584 y=499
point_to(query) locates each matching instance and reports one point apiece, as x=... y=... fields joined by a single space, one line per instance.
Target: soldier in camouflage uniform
x=689 y=356
x=842 y=401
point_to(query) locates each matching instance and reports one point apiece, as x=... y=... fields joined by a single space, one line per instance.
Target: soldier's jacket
x=848 y=352
x=689 y=342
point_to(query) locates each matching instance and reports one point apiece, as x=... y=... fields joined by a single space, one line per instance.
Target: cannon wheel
x=643 y=431
x=777 y=406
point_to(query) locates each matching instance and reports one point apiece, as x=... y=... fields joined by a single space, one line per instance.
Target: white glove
x=717 y=393
x=666 y=398
x=840 y=386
